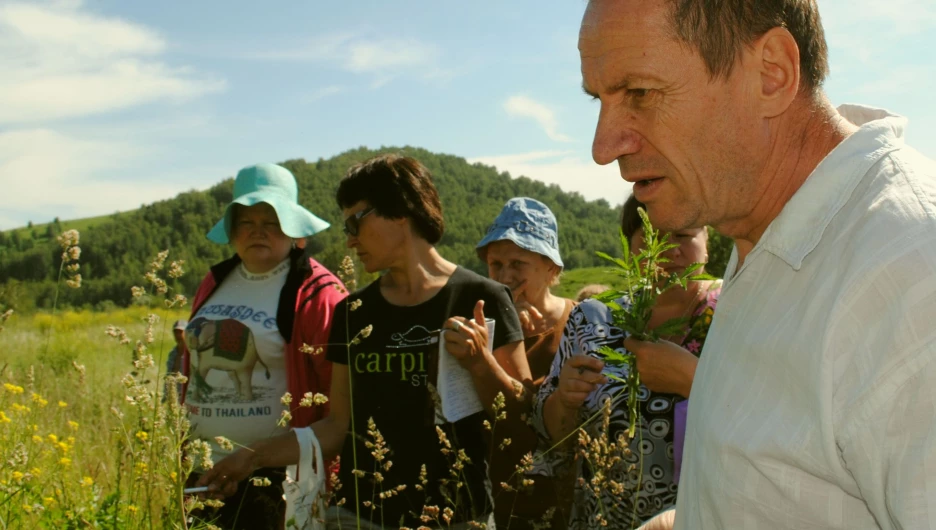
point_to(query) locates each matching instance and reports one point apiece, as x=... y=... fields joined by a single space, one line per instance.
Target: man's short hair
x=719 y=31
x=397 y=187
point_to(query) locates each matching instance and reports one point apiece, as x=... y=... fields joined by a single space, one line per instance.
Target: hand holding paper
x=465 y=344
x=468 y=341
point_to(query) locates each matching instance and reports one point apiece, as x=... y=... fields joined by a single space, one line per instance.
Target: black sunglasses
x=353 y=223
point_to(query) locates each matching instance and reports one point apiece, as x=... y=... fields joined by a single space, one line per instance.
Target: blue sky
x=107 y=104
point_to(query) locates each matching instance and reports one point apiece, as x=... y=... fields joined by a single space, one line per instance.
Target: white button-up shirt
x=814 y=404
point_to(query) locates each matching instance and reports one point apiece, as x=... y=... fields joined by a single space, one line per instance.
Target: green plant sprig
x=644 y=280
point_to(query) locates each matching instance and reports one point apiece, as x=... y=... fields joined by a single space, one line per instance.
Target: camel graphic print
x=225 y=347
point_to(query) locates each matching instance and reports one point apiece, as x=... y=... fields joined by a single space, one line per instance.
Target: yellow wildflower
x=13 y=389
x=36 y=438
x=73 y=425
x=63 y=404
x=18 y=475
x=53 y=438
x=21 y=408
x=27 y=508
x=142 y=436
x=4 y=418
x=65 y=461
x=35 y=471
x=87 y=481
x=132 y=509
x=173 y=476
x=64 y=447
x=48 y=500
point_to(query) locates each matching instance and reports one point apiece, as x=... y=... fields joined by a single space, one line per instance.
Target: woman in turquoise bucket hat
x=250 y=318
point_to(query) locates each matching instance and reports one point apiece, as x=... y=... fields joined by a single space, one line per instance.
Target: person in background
x=577 y=388
x=385 y=346
x=251 y=317
x=521 y=250
x=589 y=291
x=174 y=358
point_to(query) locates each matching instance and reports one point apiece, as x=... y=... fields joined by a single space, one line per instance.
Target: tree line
x=115 y=252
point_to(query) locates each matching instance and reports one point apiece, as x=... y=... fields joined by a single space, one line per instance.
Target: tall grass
x=86 y=440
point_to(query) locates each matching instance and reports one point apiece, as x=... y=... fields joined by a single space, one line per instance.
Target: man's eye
x=638 y=92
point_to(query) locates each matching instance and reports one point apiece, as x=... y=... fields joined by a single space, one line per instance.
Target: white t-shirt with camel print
x=238 y=373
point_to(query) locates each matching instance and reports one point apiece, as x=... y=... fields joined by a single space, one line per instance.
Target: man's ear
x=776 y=62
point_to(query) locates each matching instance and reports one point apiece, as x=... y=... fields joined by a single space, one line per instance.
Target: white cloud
x=380 y=56
x=565 y=169
x=59 y=62
x=322 y=93
x=525 y=107
x=383 y=59
x=58 y=175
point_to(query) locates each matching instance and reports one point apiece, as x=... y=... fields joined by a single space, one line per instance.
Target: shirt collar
x=801 y=223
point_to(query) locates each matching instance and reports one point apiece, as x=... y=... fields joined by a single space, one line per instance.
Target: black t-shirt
x=390 y=371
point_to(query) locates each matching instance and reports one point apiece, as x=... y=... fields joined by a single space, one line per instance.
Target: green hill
x=117 y=247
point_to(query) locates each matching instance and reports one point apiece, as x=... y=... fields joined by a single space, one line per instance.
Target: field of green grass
x=572 y=281
x=39 y=231
x=84 y=440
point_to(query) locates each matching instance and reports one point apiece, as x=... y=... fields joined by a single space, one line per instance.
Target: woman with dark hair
x=250 y=318
x=418 y=355
x=576 y=389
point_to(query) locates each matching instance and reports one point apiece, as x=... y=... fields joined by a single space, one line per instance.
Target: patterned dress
x=588 y=328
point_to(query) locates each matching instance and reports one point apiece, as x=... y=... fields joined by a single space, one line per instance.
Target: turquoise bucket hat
x=531 y=226
x=276 y=186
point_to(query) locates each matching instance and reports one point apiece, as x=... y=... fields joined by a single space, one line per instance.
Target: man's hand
x=664 y=366
x=466 y=340
x=580 y=376
x=662 y=521
x=222 y=479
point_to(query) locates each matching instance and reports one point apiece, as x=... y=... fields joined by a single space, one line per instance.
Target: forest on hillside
x=116 y=251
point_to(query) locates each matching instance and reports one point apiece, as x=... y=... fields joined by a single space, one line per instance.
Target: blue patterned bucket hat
x=276 y=186
x=529 y=224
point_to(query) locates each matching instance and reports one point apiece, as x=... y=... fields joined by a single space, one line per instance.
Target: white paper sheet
x=456 y=389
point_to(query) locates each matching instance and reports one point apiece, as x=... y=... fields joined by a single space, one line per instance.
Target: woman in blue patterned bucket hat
x=521 y=250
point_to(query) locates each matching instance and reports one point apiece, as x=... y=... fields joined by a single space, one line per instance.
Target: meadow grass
x=86 y=437
x=84 y=441
x=575 y=279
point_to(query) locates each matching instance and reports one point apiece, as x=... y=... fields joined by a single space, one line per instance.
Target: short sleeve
x=336 y=349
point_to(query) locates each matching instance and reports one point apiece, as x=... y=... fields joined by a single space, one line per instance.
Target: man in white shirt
x=814 y=404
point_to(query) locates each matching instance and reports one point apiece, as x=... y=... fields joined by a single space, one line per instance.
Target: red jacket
x=304 y=316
